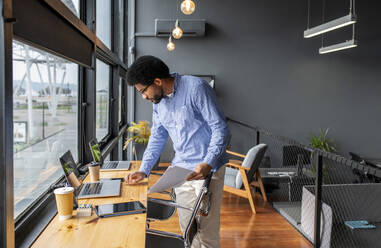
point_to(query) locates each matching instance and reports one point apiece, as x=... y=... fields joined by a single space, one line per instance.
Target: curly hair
x=145 y=69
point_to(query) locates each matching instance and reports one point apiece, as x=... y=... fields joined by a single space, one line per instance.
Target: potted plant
x=139 y=133
x=322 y=142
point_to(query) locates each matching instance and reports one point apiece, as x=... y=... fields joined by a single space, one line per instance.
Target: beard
x=157 y=98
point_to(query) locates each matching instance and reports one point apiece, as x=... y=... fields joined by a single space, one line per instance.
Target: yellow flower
x=140 y=132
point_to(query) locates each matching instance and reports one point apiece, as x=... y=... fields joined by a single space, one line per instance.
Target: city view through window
x=102 y=99
x=45 y=116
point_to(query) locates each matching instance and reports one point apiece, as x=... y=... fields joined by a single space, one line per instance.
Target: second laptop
x=106 y=165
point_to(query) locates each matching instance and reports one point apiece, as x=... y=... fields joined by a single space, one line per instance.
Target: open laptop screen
x=95 y=151
x=68 y=164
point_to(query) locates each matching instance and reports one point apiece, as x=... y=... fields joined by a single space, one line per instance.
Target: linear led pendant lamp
x=337 y=47
x=332 y=25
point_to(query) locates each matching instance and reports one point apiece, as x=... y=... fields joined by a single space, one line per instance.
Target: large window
x=45 y=104
x=103 y=17
x=102 y=98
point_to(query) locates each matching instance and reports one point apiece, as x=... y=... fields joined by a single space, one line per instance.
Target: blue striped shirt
x=194 y=120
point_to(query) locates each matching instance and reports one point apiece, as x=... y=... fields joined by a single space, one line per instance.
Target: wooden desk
x=121 y=231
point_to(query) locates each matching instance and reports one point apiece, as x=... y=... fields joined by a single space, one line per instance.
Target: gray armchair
x=241 y=175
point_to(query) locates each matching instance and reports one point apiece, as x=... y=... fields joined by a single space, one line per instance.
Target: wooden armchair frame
x=247 y=183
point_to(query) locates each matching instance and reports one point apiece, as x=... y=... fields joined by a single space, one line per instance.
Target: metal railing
x=320 y=192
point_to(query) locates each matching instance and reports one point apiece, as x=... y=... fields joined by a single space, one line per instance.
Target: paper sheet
x=172 y=177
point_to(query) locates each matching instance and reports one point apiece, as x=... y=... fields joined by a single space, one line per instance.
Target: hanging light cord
x=177 y=14
x=177 y=9
x=322 y=17
x=308 y=14
x=353 y=2
x=354 y=13
x=350 y=7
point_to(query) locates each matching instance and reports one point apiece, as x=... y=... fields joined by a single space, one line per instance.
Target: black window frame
x=26 y=229
x=105 y=139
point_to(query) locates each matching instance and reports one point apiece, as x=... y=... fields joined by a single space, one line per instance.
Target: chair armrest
x=235 y=154
x=235 y=161
x=168 y=203
x=164 y=234
x=237 y=166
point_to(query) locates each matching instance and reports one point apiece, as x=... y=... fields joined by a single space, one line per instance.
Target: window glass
x=121 y=29
x=73 y=5
x=103 y=21
x=120 y=149
x=45 y=117
x=107 y=158
x=102 y=99
x=120 y=100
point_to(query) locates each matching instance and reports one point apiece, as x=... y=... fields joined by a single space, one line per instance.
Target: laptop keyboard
x=92 y=188
x=110 y=165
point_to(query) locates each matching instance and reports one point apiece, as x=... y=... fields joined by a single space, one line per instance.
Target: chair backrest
x=160 y=209
x=252 y=160
x=192 y=227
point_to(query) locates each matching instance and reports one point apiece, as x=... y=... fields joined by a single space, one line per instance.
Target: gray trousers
x=208 y=235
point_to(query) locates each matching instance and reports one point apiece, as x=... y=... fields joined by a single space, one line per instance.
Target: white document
x=173 y=176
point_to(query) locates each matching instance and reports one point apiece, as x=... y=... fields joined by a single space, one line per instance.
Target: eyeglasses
x=144 y=90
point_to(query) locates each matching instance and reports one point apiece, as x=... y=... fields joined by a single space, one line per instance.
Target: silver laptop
x=107 y=165
x=103 y=188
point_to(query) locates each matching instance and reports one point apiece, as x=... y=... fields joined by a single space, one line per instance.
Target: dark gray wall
x=268 y=75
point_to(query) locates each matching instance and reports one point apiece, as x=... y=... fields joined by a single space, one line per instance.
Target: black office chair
x=161 y=209
x=161 y=239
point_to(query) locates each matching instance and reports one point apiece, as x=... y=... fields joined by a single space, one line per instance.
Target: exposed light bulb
x=170 y=45
x=188 y=7
x=177 y=32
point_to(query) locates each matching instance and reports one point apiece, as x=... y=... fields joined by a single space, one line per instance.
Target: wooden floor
x=242 y=229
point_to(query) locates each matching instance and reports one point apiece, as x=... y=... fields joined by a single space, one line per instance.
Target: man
x=186 y=109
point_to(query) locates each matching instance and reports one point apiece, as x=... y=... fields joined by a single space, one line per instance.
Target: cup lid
x=63 y=190
x=93 y=164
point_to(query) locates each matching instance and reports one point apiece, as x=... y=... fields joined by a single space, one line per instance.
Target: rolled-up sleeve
x=156 y=143
x=206 y=101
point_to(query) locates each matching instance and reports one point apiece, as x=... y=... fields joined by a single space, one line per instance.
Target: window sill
x=34 y=222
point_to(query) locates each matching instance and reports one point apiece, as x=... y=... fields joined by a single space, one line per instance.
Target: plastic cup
x=64 y=200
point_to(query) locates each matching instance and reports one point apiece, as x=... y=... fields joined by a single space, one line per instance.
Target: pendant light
x=177 y=32
x=170 y=45
x=349 y=19
x=188 y=7
x=329 y=26
x=332 y=25
x=337 y=47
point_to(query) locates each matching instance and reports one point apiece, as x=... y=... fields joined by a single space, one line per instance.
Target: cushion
x=248 y=162
x=230 y=176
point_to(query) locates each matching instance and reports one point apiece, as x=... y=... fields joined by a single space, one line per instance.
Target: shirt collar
x=175 y=83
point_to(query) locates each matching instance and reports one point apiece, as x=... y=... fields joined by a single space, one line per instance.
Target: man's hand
x=200 y=172
x=135 y=177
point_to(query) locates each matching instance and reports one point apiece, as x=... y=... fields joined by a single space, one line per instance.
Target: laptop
x=106 y=165
x=104 y=188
